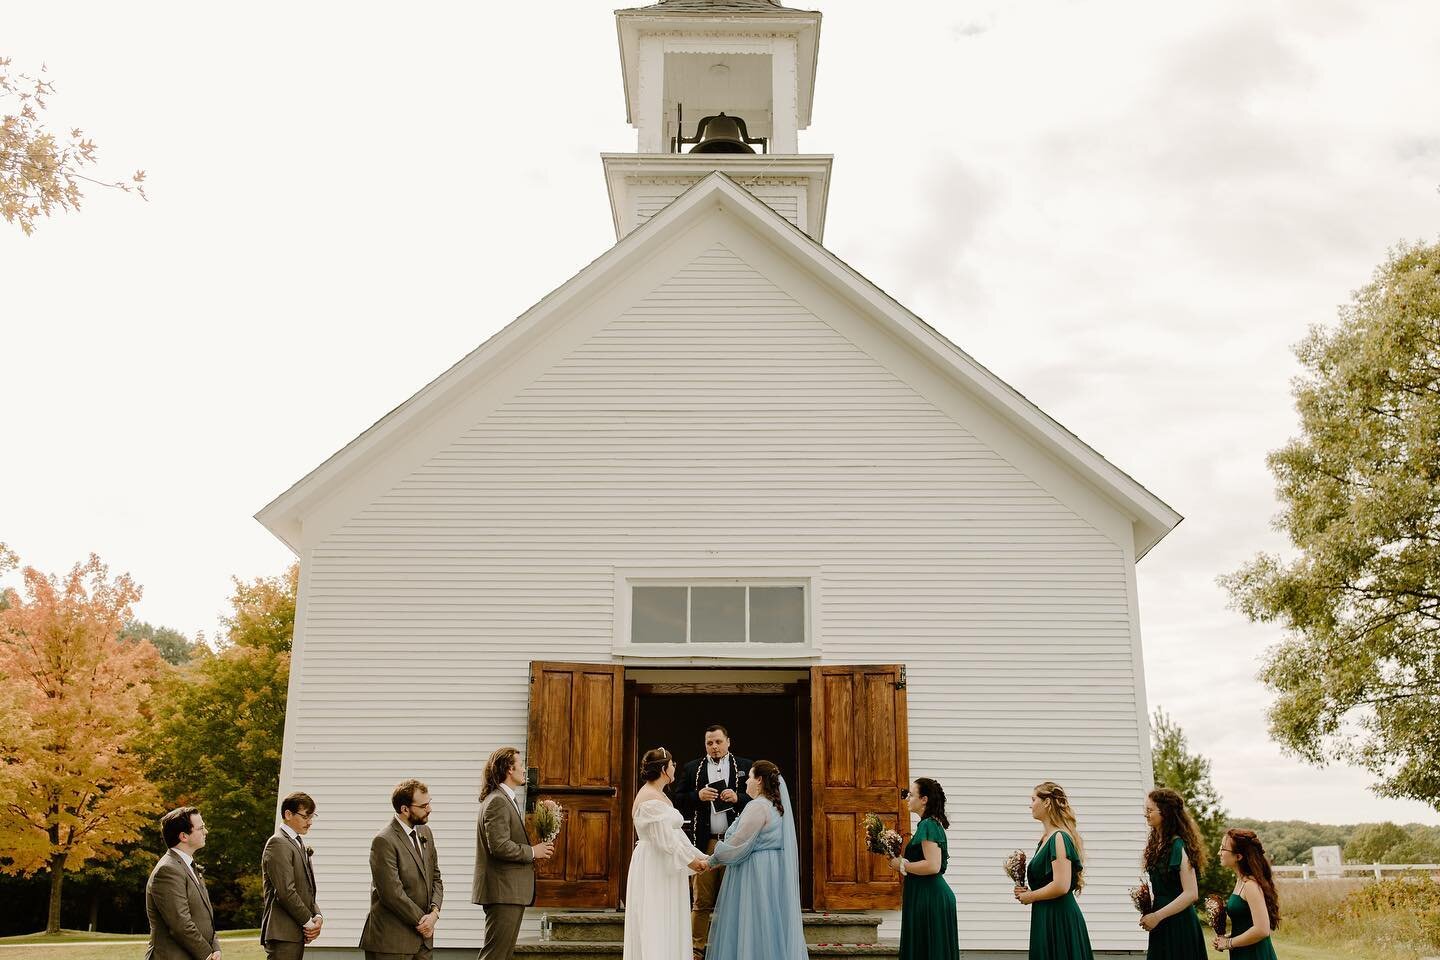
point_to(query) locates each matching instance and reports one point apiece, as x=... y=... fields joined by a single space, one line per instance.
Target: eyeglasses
x=309 y=817
x=420 y=806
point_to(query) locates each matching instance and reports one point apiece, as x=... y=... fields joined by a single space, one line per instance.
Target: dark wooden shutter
x=575 y=740
x=860 y=759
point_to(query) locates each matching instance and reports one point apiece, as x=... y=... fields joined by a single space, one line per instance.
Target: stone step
x=609 y=927
x=609 y=950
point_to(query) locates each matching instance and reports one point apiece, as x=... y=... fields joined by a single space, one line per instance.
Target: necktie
x=415 y=839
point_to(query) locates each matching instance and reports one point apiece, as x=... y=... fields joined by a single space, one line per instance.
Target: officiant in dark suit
x=710 y=793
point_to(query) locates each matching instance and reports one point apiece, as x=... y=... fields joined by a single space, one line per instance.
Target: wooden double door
x=857 y=754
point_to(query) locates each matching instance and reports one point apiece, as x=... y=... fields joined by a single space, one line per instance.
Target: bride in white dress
x=657 y=897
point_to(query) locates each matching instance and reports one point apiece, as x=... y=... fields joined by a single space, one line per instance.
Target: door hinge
x=900 y=684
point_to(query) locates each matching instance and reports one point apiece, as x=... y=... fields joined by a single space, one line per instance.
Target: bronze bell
x=722 y=134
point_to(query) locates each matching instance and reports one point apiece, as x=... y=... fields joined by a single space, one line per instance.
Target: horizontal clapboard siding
x=717 y=421
x=652 y=199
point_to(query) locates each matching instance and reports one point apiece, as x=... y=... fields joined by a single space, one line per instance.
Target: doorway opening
x=766 y=712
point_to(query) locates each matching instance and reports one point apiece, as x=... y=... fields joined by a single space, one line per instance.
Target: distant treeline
x=1290 y=841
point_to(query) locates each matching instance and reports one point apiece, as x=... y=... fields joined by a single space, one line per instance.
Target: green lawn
x=1287 y=949
x=71 y=945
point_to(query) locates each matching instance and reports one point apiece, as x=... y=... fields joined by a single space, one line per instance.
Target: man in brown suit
x=182 y=922
x=291 y=918
x=405 y=885
x=504 y=857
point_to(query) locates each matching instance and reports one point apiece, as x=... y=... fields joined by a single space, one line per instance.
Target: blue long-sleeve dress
x=758 y=913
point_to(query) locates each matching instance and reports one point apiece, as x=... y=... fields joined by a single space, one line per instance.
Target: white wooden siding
x=718 y=422
x=651 y=199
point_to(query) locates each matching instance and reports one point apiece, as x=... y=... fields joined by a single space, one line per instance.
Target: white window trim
x=690 y=576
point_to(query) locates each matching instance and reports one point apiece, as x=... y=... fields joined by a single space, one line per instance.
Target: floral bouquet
x=1216 y=914
x=887 y=843
x=1142 y=898
x=549 y=818
x=1015 y=865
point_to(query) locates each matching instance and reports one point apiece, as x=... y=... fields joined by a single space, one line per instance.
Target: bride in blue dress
x=758 y=914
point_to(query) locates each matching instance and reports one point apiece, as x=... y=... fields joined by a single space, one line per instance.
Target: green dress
x=1178 y=937
x=1057 y=927
x=1240 y=921
x=928 y=930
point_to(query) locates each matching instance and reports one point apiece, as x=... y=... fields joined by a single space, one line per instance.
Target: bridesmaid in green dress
x=928 y=930
x=1174 y=855
x=1057 y=927
x=1254 y=907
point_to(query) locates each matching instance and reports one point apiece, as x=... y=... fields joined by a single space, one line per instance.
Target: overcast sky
x=1129 y=211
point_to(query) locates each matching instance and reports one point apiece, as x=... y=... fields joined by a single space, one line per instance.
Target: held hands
x=1222 y=944
x=426 y=926
x=699 y=866
x=1150 y=921
x=311 y=930
x=728 y=796
x=543 y=851
x=709 y=793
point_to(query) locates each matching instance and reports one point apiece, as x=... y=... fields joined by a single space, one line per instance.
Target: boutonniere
x=309 y=851
x=199 y=870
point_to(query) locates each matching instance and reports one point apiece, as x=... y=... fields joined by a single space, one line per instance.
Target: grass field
x=79 y=945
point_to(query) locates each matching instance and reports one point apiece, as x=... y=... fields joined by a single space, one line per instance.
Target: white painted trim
x=651 y=87
x=784 y=81
x=1137 y=664
x=802 y=26
x=292 y=688
x=689 y=575
x=750 y=172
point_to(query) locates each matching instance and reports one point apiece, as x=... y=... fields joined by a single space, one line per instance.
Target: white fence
x=1308 y=871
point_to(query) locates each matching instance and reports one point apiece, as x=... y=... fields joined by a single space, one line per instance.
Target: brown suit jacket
x=289 y=885
x=504 y=861
x=182 y=922
x=404 y=886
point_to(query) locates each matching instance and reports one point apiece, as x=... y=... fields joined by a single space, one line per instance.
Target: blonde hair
x=1060 y=815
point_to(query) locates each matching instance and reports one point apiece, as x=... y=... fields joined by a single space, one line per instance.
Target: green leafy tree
x=1413 y=849
x=174 y=647
x=1371 y=841
x=1188 y=774
x=217 y=736
x=1291 y=841
x=1357 y=675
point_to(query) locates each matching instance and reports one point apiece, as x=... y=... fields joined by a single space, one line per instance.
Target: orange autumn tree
x=70 y=786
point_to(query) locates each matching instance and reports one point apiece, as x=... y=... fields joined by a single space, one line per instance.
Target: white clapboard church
x=719 y=476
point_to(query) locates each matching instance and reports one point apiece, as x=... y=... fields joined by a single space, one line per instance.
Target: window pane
x=717 y=614
x=657 y=615
x=777 y=615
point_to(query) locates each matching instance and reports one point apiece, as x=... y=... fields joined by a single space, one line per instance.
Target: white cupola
x=718 y=85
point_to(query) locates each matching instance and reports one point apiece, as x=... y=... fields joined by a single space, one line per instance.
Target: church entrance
x=838 y=732
x=766 y=712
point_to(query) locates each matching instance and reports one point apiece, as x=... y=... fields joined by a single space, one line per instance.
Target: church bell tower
x=718 y=85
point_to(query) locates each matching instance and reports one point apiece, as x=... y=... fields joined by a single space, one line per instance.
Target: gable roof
x=1152 y=518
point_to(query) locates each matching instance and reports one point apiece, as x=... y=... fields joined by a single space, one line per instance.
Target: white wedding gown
x=657 y=893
